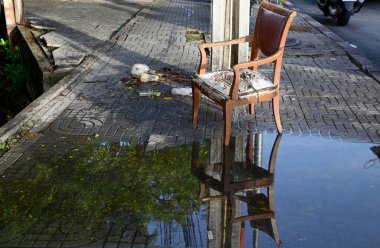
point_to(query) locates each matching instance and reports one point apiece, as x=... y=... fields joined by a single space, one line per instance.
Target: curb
x=359 y=60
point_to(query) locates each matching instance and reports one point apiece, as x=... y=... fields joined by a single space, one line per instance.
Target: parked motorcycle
x=341 y=10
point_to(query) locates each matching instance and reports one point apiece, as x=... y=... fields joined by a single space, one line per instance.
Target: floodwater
x=261 y=191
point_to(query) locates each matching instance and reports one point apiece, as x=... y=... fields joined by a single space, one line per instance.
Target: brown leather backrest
x=270 y=28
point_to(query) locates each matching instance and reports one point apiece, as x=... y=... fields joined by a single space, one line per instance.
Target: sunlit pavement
x=96 y=173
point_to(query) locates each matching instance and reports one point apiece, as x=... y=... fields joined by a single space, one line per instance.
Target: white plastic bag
x=138 y=69
x=181 y=91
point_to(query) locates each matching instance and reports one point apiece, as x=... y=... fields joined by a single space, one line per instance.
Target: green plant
x=13 y=68
x=5 y=146
x=23 y=131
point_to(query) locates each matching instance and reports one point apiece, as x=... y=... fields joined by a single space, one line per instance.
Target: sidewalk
x=322 y=92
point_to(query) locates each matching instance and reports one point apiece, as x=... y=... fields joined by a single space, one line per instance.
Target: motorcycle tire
x=343 y=17
x=324 y=8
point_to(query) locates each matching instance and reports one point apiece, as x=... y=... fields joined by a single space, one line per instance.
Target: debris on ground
x=150 y=93
x=182 y=91
x=178 y=81
x=143 y=73
x=138 y=69
x=169 y=75
x=145 y=77
x=125 y=79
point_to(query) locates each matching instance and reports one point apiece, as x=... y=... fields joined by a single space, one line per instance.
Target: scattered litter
x=143 y=73
x=150 y=93
x=124 y=143
x=209 y=235
x=125 y=79
x=181 y=91
x=145 y=77
x=353 y=46
x=138 y=69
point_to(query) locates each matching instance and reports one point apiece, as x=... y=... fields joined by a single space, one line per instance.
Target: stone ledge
x=40 y=73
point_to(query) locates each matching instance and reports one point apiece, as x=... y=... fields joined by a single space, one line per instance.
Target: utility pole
x=19 y=11
x=10 y=20
x=229 y=20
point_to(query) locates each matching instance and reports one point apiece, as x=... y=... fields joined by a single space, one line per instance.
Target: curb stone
x=359 y=60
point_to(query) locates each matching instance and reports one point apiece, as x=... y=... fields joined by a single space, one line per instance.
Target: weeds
x=13 y=69
x=23 y=131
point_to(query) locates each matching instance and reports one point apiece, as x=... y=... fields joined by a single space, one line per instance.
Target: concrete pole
x=10 y=20
x=229 y=20
x=258 y=158
x=19 y=11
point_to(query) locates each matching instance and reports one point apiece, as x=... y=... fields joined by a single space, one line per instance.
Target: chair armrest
x=202 y=48
x=255 y=63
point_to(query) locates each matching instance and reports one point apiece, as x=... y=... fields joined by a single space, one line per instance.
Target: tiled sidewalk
x=322 y=92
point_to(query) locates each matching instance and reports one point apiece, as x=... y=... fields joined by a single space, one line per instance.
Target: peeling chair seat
x=218 y=84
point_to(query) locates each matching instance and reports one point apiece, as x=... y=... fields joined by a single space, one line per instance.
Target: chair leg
x=276 y=113
x=227 y=114
x=252 y=108
x=196 y=97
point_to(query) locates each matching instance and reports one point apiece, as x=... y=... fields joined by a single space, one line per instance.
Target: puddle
x=262 y=191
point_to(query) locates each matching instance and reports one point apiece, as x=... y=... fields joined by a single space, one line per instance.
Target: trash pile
x=141 y=73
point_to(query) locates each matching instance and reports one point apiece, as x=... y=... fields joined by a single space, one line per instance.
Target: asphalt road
x=363 y=30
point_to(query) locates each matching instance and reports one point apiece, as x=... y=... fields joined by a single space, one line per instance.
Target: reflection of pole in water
x=258 y=151
x=258 y=155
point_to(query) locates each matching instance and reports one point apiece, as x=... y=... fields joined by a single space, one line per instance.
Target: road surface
x=363 y=30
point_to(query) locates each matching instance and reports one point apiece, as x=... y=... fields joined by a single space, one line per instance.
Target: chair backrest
x=271 y=29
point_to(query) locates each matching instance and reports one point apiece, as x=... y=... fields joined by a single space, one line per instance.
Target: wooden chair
x=244 y=85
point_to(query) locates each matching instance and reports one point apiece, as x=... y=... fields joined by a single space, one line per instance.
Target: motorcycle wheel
x=343 y=17
x=324 y=8
x=326 y=11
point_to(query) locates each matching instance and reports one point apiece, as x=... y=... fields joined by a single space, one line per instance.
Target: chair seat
x=218 y=84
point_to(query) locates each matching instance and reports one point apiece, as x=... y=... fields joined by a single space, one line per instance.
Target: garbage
x=138 y=69
x=150 y=93
x=125 y=79
x=143 y=73
x=182 y=91
x=145 y=77
x=353 y=46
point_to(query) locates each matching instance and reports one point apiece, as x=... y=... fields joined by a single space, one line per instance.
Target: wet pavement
x=262 y=190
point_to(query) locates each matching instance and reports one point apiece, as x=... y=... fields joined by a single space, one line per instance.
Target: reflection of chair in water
x=236 y=180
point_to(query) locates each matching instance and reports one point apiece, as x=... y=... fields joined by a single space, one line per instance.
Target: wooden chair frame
x=255 y=62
